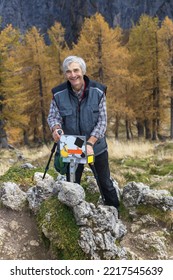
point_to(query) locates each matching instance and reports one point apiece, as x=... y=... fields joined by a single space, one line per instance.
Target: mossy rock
x=63 y=230
x=23 y=176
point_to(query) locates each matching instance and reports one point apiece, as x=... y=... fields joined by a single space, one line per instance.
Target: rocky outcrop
x=102 y=234
x=99 y=226
x=138 y=193
x=71 y=13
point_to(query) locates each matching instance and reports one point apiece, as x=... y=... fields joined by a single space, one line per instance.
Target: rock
x=100 y=226
x=156 y=198
x=71 y=194
x=133 y=193
x=13 y=225
x=138 y=193
x=43 y=190
x=154 y=242
x=27 y=166
x=82 y=211
x=12 y=196
x=34 y=243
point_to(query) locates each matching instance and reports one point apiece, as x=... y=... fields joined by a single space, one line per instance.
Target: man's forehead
x=73 y=65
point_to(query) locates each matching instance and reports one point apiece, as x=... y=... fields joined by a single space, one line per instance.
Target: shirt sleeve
x=100 y=129
x=54 y=117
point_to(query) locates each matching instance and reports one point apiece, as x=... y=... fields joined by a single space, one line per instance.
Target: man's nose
x=72 y=73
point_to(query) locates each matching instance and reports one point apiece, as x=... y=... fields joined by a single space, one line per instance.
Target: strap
x=89 y=143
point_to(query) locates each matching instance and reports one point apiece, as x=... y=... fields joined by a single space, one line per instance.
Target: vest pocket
x=67 y=118
x=94 y=113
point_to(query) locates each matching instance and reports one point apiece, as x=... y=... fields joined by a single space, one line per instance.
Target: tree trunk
x=116 y=127
x=3 y=136
x=171 y=136
x=140 y=128
x=100 y=54
x=147 y=130
x=154 y=130
x=127 y=129
x=25 y=138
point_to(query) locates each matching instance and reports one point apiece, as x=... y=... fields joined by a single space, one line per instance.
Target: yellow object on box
x=90 y=158
x=64 y=151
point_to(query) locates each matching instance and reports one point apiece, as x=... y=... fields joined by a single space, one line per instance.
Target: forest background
x=136 y=65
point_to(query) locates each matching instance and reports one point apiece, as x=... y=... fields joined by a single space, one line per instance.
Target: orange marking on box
x=75 y=152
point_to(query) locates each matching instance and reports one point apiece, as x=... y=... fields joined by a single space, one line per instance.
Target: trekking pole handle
x=59 y=131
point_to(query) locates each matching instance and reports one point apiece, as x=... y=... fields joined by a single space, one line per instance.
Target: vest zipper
x=79 y=117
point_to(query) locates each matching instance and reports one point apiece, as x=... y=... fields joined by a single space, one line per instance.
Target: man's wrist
x=90 y=144
x=91 y=140
x=55 y=127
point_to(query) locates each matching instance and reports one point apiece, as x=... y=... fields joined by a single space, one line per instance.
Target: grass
x=9 y=158
x=135 y=149
x=147 y=162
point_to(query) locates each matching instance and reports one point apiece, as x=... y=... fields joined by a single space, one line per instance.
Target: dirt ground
x=19 y=237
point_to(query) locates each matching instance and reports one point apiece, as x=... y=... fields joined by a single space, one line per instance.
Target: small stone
x=13 y=225
x=34 y=243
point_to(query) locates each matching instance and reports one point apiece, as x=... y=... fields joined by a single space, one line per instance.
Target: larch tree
x=147 y=57
x=37 y=78
x=166 y=37
x=106 y=60
x=11 y=96
x=57 y=51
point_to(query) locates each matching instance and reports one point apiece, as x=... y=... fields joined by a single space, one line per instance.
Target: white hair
x=68 y=60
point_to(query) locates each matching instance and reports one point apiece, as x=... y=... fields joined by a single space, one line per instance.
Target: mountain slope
x=43 y=13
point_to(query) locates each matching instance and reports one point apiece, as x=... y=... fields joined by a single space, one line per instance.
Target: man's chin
x=75 y=84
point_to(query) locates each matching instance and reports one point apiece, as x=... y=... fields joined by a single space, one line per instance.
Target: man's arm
x=100 y=128
x=54 y=121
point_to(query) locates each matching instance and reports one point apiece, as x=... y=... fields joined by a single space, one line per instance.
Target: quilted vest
x=80 y=118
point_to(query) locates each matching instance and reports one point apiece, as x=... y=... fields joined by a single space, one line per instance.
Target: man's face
x=75 y=76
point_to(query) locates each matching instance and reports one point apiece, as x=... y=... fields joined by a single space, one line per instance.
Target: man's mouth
x=74 y=79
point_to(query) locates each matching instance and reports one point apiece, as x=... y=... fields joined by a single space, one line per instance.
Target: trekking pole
x=91 y=165
x=52 y=152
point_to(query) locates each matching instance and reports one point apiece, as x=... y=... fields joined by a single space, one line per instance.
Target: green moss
x=124 y=213
x=89 y=196
x=23 y=176
x=63 y=229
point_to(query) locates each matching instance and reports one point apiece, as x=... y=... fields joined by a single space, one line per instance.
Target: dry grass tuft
x=10 y=157
x=121 y=150
x=35 y=153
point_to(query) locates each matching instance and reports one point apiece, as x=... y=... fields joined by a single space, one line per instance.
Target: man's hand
x=89 y=147
x=57 y=134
